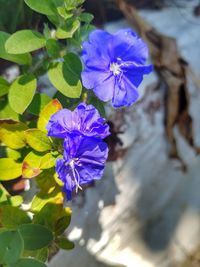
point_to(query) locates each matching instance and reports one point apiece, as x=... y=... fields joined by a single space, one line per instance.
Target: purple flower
x=83 y=161
x=85 y=119
x=114 y=65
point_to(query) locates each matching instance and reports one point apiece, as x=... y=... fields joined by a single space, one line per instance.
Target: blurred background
x=145 y=212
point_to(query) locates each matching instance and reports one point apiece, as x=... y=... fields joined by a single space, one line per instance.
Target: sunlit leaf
x=42 y=198
x=38 y=140
x=9 y=169
x=38 y=103
x=22 y=59
x=66 y=76
x=68 y=30
x=12 y=133
x=21 y=92
x=6 y=112
x=24 y=41
x=47 y=161
x=31 y=165
x=47 y=112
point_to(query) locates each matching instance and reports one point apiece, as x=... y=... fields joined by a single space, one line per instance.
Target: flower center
x=115 y=68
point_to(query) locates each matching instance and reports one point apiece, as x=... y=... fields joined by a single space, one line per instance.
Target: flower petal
x=129 y=47
x=125 y=93
x=60 y=123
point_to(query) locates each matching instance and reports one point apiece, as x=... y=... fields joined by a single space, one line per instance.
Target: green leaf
x=66 y=76
x=35 y=236
x=72 y=63
x=42 y=198
x=48 y=161
x=31 y=165
x=13 y=154
x=45 y=7
x=64 y=13
x=9 y=169
x=22 y=92
x=12 y=133
x=3 y=195
x=28 y=262
x=86 y=17
x=22 y=59
x=45 y=180
x=4 y=86
x=6 y=112
x=16 y=201
x=38 y=103
x=24 y=41
x=68 y=30
x=47 y=112
x=38 y=140
x=53 y=48
x=40 y=254
x=64 y=243
x=12 y=217
x=54 y=216
x=11 y=247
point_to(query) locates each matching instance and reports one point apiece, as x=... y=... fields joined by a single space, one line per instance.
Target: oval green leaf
x=66 y=76
x=11 y=247
x=12 y=217
x=45 y=7
x=28 y=262
x=22 y=92
x=9 y=169
x=22 y=59
x=64 y=243
x=6 y=112
x=38 y=140
x=24 y=41
x=35 y=236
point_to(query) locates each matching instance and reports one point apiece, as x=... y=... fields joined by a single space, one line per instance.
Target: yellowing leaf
x=48 y=161
x=31 y=165
x=9 y=169
x=51 y=108
x=12 y=133
x=38 y=140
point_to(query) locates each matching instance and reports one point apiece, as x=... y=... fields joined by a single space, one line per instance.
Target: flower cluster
x=85 y=152
x=114 y=65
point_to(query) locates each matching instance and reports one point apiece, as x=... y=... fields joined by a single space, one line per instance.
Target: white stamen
x=115 y=68
x=75 y=173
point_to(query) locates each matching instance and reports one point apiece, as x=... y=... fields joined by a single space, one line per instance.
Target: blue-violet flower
x=85 y=120
x=83 y=161
x=114 y=65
